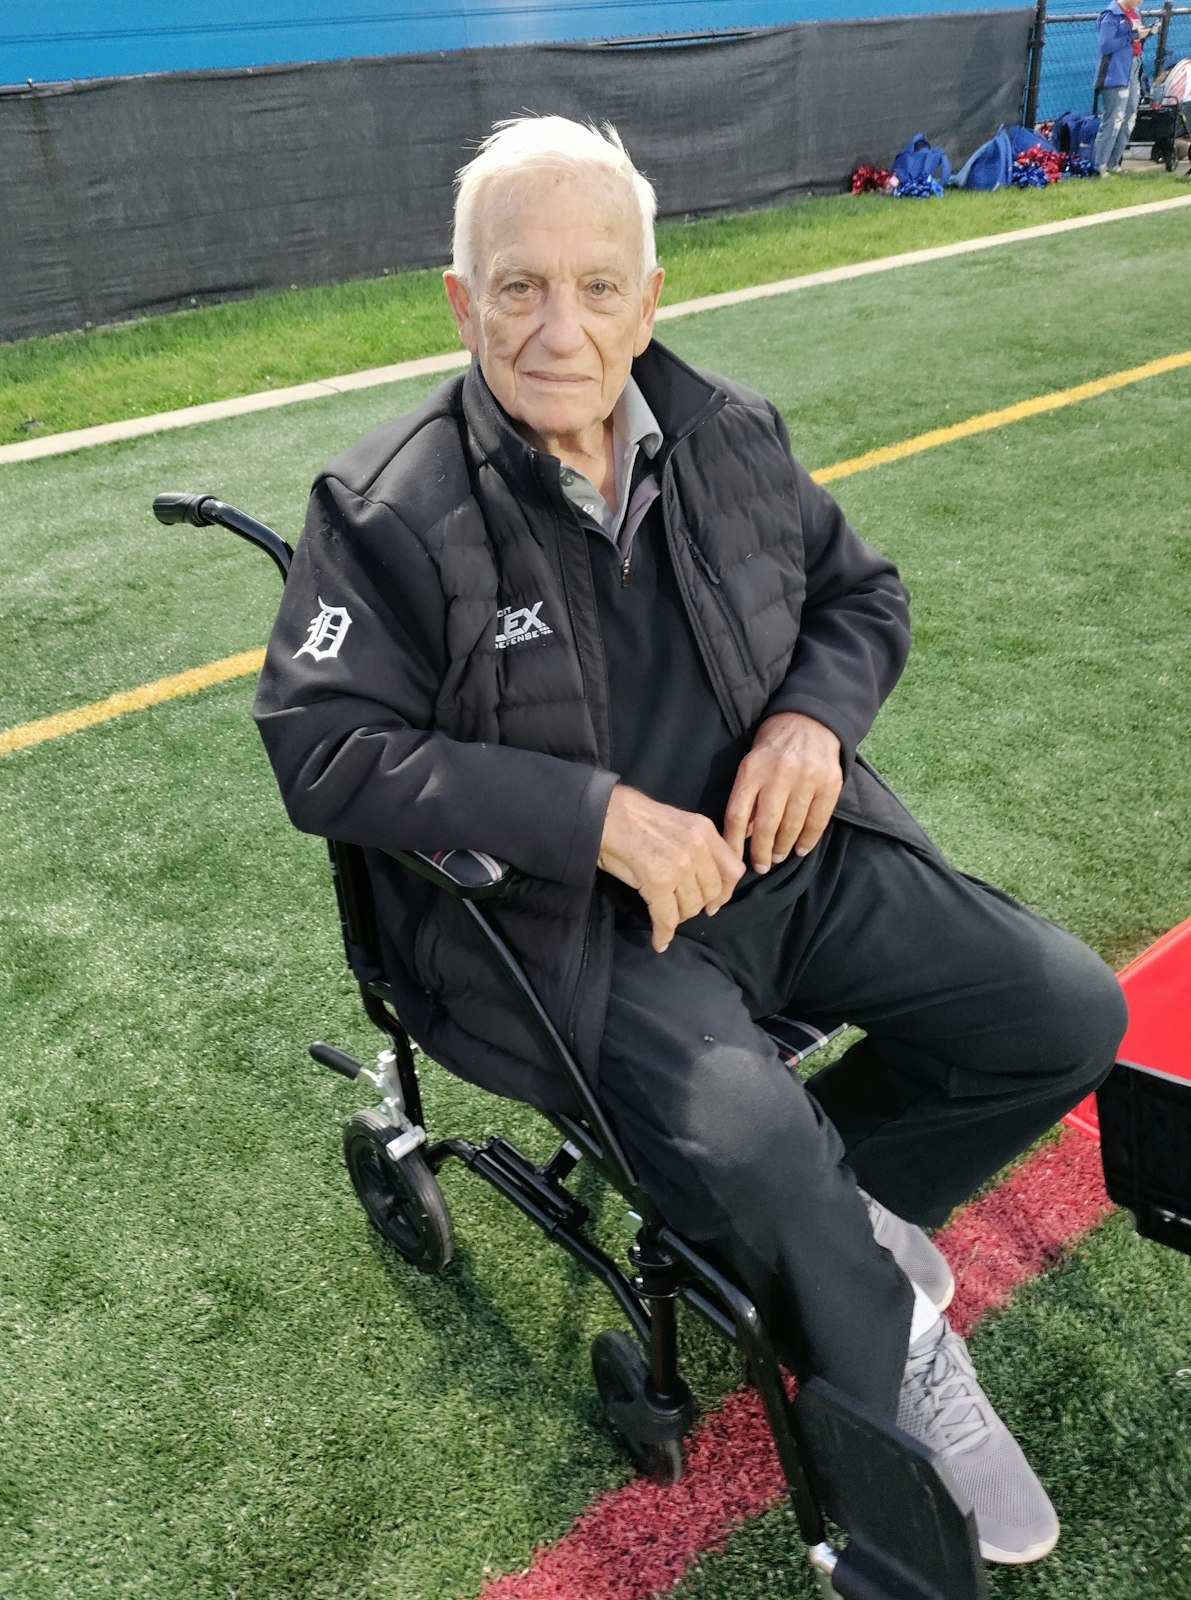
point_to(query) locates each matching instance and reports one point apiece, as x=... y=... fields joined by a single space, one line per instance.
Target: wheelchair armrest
x=466 y=874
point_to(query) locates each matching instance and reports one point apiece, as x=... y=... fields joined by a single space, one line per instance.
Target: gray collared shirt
x=635 y=429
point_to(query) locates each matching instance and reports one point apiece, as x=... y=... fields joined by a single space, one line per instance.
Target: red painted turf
x=639 y=1540
x=1158 y=988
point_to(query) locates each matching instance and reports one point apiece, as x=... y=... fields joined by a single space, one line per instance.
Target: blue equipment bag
x=921 y=163
x=990 y=167
x=1075 y=135
x=1023 y=139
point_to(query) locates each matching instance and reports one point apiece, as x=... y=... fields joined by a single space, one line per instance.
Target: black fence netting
x=126 y=196
x=1070 y=56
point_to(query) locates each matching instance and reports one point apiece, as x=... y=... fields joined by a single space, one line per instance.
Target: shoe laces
x=942 y=1388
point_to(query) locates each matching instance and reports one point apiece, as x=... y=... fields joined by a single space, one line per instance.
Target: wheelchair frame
x=907 y=1535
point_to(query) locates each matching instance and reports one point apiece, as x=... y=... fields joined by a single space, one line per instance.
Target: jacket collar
x=681 y=398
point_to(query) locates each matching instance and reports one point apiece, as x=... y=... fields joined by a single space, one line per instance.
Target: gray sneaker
x=914 y=1253
x=943 y=1406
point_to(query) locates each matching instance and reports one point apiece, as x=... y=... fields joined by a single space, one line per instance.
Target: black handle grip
x=465 y=874
x=338 y=1060
x=206 y=511
x=172 y=508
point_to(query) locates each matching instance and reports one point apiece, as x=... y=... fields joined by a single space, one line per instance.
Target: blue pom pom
x=920 y=189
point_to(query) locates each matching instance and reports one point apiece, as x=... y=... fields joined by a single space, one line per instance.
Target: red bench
x=1141 y=1114
x=1158 y=988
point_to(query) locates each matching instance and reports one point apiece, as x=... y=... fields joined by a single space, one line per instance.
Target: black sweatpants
x=984 y=1024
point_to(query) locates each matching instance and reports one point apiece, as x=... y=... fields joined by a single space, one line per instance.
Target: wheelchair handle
x=170 y=508
x=338 y=1060
x=204 y=510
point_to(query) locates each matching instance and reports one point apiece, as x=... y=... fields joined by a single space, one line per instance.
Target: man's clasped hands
x=678 y=861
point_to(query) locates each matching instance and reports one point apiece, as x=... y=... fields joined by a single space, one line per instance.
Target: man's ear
x=650 y=297
x=461 y=307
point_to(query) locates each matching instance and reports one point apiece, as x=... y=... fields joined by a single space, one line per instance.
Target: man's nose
x=562 y=325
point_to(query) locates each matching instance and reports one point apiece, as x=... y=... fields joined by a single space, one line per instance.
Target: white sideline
x=56 y=444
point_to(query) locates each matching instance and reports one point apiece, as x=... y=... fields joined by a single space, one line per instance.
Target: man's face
x=559 y=306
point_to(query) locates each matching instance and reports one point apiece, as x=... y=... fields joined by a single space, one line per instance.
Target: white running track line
x=56 y=444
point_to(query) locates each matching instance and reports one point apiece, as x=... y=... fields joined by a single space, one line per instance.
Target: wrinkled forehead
x=541 y=201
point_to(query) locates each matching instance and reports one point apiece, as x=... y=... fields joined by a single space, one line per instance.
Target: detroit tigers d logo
x=325 y=632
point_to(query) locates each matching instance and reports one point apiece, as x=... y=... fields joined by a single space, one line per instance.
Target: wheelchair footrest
x=1145 y=1144
x=908 y=1536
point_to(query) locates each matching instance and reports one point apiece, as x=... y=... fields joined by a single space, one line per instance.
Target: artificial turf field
x=214 y=1382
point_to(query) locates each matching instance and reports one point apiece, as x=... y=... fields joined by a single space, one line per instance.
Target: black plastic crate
x=1145 y=1144
x=1159 y=123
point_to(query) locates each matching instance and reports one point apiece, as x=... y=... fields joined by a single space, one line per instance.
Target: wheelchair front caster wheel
x=652 y=1434
x=402 y=1198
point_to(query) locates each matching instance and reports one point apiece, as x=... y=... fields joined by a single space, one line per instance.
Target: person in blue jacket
x=1118 y=82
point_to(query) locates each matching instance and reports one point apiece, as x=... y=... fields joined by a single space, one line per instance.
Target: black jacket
x=435 y=678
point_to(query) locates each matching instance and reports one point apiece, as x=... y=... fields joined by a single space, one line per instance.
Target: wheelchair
x=902 y=1532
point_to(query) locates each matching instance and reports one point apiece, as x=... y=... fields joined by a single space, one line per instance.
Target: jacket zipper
x=566 y=595
x=733 y=626
x=702 y=562
x=581 y=966
x=731 y=715
x=573 y=1007
x=730 y=622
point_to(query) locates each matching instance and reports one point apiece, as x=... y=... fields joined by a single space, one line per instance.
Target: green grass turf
x=273 y=340
x=213 y=1383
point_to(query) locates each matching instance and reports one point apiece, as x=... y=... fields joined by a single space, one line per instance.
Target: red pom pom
x=1048 y=162
x=869 y=180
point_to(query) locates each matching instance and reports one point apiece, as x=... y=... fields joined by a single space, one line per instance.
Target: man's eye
x=519 y=288
x=599 y=289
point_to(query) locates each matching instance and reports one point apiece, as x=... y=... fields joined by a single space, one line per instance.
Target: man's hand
x=676 y=860
x=785 y=789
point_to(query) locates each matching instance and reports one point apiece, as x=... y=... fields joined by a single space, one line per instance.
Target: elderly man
x=582 y=610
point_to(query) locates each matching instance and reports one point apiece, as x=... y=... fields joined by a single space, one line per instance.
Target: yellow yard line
x=249 y=661
x=988 y=420
x=119 y=705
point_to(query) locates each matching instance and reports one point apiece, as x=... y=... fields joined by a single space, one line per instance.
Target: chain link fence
x=1065 y=57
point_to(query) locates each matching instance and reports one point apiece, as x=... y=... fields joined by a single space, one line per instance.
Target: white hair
x=547 y=144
